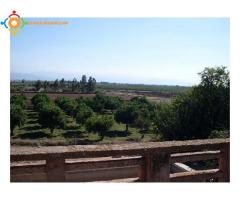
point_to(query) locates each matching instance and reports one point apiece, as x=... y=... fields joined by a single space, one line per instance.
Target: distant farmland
x=154 y=93
x=159 y=89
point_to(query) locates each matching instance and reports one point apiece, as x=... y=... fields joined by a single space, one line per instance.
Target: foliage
x=165 y=121
x=99 y=124
x=143 y=120
x=38 y=85
x=83 y=112
x=91 y=84
x=39 y=100
x=17 y=116
x=101 y=102
x=51 y=116
x=66 y=104
x=20 y=100
x=219 y=134
x=97 y=103
x=194 y=114
x=126 y=114
x=74 y=85
x=112 y=103
x=145 y=111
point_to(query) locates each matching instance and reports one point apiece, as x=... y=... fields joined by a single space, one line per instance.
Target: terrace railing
x=142 y=162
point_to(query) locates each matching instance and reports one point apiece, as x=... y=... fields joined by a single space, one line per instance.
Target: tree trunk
x=51 y=130
x=12 y=131
x=101 y=136
x=126 y=128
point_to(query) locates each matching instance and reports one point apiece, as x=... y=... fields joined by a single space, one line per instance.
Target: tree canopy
x=17 y=116
x=195 y=114
x=51 y=116
x=99 y=124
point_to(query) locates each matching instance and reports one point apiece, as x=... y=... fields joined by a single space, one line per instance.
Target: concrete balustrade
x=142 y=162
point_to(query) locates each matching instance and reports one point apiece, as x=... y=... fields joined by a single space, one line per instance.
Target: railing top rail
x=83 y=151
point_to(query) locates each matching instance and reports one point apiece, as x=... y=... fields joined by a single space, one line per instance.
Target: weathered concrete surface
x=84 y=151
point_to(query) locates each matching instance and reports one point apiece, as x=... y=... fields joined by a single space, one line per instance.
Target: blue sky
x=126 y=50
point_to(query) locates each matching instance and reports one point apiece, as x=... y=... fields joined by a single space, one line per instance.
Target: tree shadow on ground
x=32 y=115
x=32 y=128
x=117 y=134
x=34 y=135
x=87 y=141
x=73 y=134
x=143 y=131
x=72 y=127
x=32 y=121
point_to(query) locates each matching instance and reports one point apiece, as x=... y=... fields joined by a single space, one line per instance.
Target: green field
x=163 y=89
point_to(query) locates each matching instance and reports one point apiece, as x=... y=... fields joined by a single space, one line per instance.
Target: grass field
x=33 y=134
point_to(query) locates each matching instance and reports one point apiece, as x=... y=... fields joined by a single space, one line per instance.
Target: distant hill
x=27 y=76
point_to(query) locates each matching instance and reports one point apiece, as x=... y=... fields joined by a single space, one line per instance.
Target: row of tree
x=18 y=104
x=84 y=85
x=199 y=113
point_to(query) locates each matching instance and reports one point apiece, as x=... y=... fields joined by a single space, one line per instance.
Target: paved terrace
x=131 y=162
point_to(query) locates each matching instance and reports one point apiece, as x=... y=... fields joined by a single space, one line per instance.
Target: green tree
x=80 y=100
x=56 y=85
x=20 y=100
x=143 y=121
x=126 y=114
x=45 y=85
x=97 y=103
x=165 y=121
x=62 y=83
x=39 y=100
x=83 y=113
x=61 y=100
x=74 y=85
x=83 y=84
x=91 y=84
x=17 y=116
x=51 y=116
x=99 y=124
x=195 y=114
x=66 y=104
x=112 y=103
x=145 y=111
x=38 y=85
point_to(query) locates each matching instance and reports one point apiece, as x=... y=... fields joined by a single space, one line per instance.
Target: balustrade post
x=55 y=169
x=155 y=167
x=224 y=164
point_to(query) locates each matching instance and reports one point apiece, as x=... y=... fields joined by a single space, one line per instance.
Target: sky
x=162 y=51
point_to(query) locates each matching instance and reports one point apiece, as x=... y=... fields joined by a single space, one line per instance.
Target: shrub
x=61 y=100
x=20 y=100
x=97 y=103
x=219 y=134
x=40 y=99
x=17 y=116
x=112 y=103
x=99 y=124
x=143 y=121
x=126 y=114
x=66 y=104
x=83 y=112
x=51 y=116
x=165 y=122
x=145 y=111
x=196 y=113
